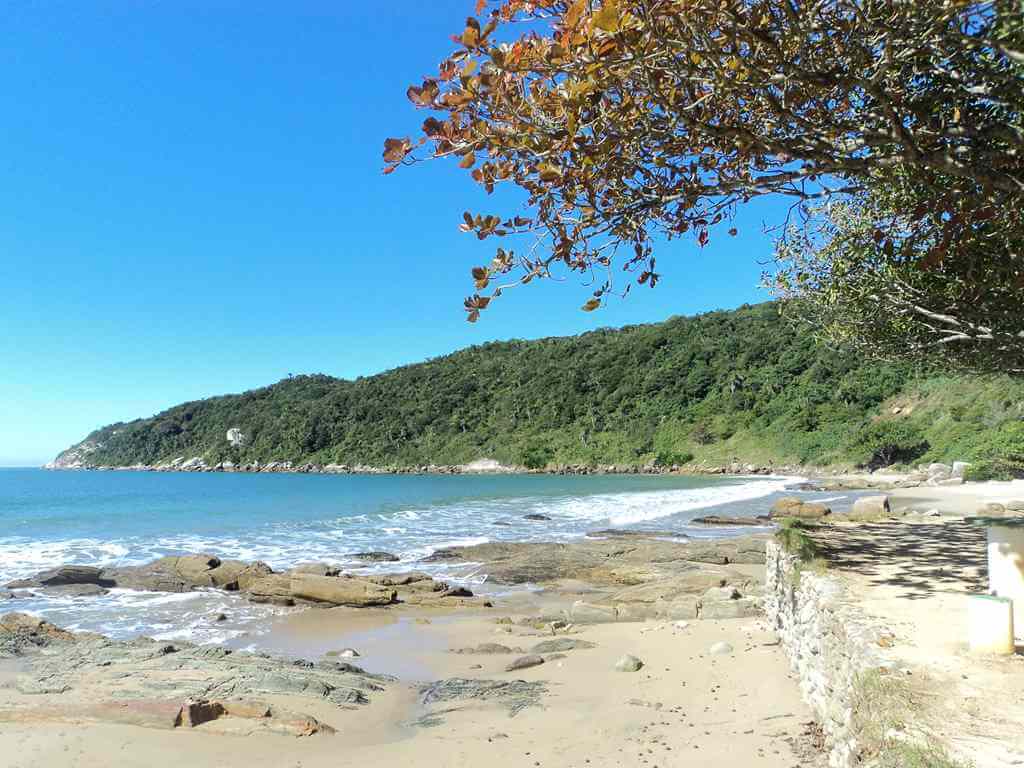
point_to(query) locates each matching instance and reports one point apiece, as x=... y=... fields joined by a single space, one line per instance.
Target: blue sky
x=192 y=204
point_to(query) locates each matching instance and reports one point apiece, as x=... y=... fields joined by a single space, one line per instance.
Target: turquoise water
x=99 y=518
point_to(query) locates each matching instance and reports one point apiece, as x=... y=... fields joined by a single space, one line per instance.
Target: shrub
x=992 y=469
x=537 y=456
x=883 y=443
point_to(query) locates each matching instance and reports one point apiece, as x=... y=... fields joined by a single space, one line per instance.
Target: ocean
x=52 y=518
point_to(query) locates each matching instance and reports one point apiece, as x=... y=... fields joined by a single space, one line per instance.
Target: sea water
x=52 y=518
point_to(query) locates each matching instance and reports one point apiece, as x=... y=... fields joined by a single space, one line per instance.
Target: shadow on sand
x=921 y=559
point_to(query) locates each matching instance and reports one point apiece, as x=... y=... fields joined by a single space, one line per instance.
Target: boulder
x=960 y=468
x=75 y=590
x=991 y=509
x=683 y=607
x=870 y=508
x=938 y=471
x=536 y=518
x=340 y=591
x=488 y=649
x=731 y=521
x=274 y=588
x=71 y=574
x=561 y=645
x=791 y=506
x=20 y=630
x=237 y=575
x=721 y=648
x=628 y=663
x=525 y=662
x=946 y=481
x=375 y=557
x=1015 y=505
x=583 y=612
x=316 y=569
x=740 y=608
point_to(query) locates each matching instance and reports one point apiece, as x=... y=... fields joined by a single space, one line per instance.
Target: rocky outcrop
x=868 y=508
x=793 y=506
x=309 y=584
x=82 y=677
x=603 y=562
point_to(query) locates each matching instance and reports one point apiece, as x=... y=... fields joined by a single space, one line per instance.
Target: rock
x=939 y=471
x=489 y=649
x=720 y=648
x=560 y=645
x=628 y=663
x=346 y=653
x=948 y=481
x=1015 y=505
x=67 y=575
x=960 y=468
x=220 y=617
x=534 y=517
x=870 y=508
x=20 y=632
x=22 y=584
x=683 y=607
x=515 y=695
x=339 y=591
x=732 y=521
x=274 y=588
x=791 y=506
x=742 y=608
x=316 y=569
x=375 y=557
x=721 y=594
x=618 y=533
x=457 y=592
x=991 y=509
x=6 y=594
x=525 y=662
x=243 y=717
x=588 y=613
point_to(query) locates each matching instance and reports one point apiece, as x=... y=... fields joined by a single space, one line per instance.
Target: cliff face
x=721 y=388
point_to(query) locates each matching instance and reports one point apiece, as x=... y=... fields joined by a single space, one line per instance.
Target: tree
x=886 y=274
x=623 y=121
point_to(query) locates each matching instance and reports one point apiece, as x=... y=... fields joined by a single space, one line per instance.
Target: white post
x=1006 y=569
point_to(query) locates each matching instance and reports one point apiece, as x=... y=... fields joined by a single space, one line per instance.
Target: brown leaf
x=395 y=150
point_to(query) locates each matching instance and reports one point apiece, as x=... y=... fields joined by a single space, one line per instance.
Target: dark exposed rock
x=732 y=521
x=375 y=557
x=72 y=574
x=515 y=695
x=488 y=648
x=618 y=533
x=560 y=645
x=535 y=517
x=525 y=662
x=74 y=590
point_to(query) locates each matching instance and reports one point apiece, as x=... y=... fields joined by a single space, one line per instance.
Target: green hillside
x=741 y=384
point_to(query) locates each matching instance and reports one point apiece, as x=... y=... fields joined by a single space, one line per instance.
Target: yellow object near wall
x=990 y=624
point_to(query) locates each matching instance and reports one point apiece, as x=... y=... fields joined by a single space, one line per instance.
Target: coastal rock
x=525 y=662
x=71 y=574
x=628 y=663
x=720 y=648
x=488 y=649
x=339 y=591
x=534 y=517
x=960 y=468
x=515 y=695
x=274 y=588
x=740 y=608
x=870 y=508
x=588 y=613
x=989 y=509
x=684 y=607
x=375 y=557
x=315 y=569
x=245 y=717
x=20 y=632
x=732 y=521
x=561 y=645
x=791 y=506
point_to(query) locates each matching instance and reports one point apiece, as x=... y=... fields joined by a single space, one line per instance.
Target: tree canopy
x=628 y=121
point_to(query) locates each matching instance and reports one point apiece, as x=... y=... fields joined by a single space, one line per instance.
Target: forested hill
x=726 y=385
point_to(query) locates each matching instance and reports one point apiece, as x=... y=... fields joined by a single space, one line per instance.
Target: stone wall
x=830 y=643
